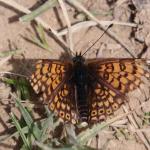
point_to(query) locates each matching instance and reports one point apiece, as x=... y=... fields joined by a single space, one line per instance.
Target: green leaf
x=47 y=5
x=15 y=134
x=16 y=123
x=41 y=41
x=8 y=53
x=21 y=85
x=33 y=127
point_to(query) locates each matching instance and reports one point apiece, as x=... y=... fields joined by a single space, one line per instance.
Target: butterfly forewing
x=122 y=74
x=47 y=76
x=50 y=80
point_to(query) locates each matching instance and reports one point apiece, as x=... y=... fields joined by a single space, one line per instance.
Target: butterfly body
x=81 y=82
x=87 y=89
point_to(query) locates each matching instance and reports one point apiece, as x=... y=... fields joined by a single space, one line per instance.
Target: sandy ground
x=12 y=33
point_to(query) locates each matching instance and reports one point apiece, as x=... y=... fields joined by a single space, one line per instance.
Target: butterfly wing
x=113 y=79
x=103 y=102
x=62 y=104
x=51 y=80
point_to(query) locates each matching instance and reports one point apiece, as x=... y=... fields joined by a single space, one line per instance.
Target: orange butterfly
x=87 y=90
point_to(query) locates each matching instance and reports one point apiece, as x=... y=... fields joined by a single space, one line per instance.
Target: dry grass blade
x=3 y=60
x=63 y=7
x=87 y=24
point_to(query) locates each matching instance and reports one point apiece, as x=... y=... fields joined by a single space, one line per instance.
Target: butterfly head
x=78 y=59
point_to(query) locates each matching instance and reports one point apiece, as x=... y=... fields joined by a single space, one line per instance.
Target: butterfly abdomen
x=80 y=82
x=82 y=102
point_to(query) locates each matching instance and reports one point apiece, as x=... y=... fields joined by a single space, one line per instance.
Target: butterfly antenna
x=97 y=39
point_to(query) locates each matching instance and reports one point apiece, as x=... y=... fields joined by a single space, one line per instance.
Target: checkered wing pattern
x=50 y=79
x=109 y=82
x=112 y=80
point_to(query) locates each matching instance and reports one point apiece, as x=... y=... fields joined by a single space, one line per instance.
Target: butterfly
x=87 y=90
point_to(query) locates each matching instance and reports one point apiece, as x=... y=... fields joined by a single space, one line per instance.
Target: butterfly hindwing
x=63 y=104
x=103 y=102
